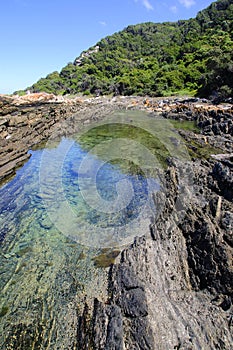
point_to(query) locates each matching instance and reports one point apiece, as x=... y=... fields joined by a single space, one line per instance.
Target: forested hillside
x=189 y=56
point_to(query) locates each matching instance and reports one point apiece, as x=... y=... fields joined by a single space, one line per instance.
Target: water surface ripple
x=74 y=200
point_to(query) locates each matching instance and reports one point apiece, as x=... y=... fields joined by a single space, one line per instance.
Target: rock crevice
x=172 y=289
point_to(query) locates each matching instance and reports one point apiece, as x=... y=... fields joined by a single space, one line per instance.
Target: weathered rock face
x=171 y=289
x=22 y=127
x=216 y=123
x=27 y=121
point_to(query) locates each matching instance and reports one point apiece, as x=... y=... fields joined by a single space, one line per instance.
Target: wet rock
x=223 y=175
x=112 y=337
x=36 y=117
x=170 y=289
x=164 y=285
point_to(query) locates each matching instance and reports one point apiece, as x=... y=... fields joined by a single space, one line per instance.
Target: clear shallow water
x=70 y=203
x=43 y=272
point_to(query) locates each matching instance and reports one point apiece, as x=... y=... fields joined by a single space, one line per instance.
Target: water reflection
x=60 y=217
x=50 y=259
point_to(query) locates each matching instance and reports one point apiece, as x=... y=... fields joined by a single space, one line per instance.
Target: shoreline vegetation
x=192 y=57
x=172 y=287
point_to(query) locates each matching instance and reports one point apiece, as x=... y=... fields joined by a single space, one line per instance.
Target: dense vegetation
x=190 y=56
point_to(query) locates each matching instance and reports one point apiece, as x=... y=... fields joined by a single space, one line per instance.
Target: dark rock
x=224 y=179
x=226 y=303
x=164 y=282
x=171 y=289
x=107 y=327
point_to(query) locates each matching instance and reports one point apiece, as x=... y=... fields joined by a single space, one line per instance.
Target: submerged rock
x=171 y=288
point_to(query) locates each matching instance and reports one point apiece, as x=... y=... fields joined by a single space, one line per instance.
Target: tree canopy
x=192 y=56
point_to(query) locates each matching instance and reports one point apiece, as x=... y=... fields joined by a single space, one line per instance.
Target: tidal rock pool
x=66 y=215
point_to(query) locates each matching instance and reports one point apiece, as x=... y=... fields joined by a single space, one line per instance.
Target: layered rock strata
x=29 y=120
x=172 y=288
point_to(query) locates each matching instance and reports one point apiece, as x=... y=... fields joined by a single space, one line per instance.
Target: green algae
x=46 y=272
x=200 y=150
x=196 y=149
x=111 y=131
x=106 y=258
x=187 y=125
x=4 y=310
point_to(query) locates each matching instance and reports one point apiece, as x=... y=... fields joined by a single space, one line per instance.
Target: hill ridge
x=193 y=56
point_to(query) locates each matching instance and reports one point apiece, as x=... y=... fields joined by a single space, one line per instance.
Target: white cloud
x=103 y=23
x=146 y=3
x=173 y=9
x=187 y=3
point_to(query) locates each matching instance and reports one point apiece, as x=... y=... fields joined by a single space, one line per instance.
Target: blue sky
x=41 y=36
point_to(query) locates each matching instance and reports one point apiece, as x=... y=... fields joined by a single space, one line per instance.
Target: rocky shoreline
x=172 y=288
x=29 y=120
